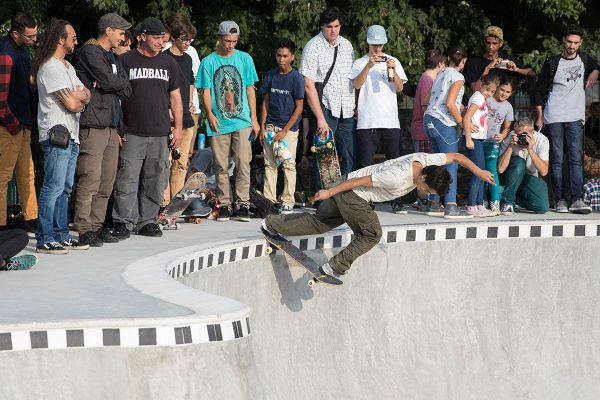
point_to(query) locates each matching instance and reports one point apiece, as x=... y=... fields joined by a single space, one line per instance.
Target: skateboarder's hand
x=280 y=135
x=177 y=138
x=324 y=194
x=322 y=126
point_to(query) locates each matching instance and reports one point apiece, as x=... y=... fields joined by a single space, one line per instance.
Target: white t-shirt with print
x=541 y=148
x=377 y=100
x=53 y=76
x=439 y=93
x=566 y=101
x=393 y=178
x=480 y=118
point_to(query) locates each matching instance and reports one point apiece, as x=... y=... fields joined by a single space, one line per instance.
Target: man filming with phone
x=522 y=163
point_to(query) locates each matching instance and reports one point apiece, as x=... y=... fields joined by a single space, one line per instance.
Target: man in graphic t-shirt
x=227 y=78
x=155 y=79
x=559 y=100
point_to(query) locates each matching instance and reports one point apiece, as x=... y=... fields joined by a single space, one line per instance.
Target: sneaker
x=20 y=263
x=579 y=207
x=90 y=239
x=30 y=225
x=120 y=231
x=301 y=199
x=453 y=212
x=561 y=206
x=495 y=207
x=286 y=209
x=485 y=211
x=507 y=209
x=329 y=271
x=242 y=214
x=399 y=208
x=474 y=211
x=434 y=208
x=224 y=214
x=72 y=244
x=263 y=225
x=51 y=248
x=151 y=230
x=105 y=236
x=421 y=205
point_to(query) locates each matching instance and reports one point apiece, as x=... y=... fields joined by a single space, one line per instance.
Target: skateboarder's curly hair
x=437 y=178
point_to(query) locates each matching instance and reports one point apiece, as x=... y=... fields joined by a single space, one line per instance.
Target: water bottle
x=201 y=141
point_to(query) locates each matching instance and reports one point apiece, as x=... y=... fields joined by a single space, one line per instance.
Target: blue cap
x=376 y=35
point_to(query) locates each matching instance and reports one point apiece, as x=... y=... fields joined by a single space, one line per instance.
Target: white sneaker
x=507 y=209
x=286 y=209
x=474 y=211
x=485 y=211
x=495 y=207
x=329 y=271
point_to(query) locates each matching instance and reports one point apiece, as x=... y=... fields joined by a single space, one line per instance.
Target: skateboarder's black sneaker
x=120 y=231
x=151 y=229
x=90 y=239
x=72 y=244
x=224 y=214
x=105 y=236
x=329 y=271
x=242 y=214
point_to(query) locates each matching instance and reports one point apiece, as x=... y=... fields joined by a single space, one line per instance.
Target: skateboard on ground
x=326 y=156
x=281 y=243
x=192 y=189
x=201 y=209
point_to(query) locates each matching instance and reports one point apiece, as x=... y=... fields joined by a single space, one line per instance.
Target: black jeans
x=12 y=241
x=368 y=140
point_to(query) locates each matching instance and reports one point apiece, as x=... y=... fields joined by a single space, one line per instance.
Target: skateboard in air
x=279 y=242
x=326 y=156
x=192 y=189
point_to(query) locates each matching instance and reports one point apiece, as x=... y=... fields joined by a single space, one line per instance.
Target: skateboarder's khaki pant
x=179 y=167
x=344 y=207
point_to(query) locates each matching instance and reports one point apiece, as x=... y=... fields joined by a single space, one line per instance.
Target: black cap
x=152 y=26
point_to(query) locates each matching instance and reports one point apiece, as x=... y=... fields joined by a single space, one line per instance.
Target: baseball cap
x=376 y=35
x=495 y=32
x=152 y=26
x=112 y=20
x=228 y=28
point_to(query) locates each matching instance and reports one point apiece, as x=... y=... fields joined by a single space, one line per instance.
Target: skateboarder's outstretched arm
x=324 y=194
x=468 y=164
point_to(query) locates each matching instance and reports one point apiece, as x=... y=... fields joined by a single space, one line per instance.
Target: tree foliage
x=533 y=28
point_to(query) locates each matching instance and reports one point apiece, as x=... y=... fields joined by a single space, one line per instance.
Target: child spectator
x=591 y=170
x=441 y=118
x=476 y=115
x=283 y=90
x=500 y=117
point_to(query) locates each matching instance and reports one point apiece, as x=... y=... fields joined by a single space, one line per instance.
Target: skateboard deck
x=281 y=243
x=192 y=189
x=326 y=156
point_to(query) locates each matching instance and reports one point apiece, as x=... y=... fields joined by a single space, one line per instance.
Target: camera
x=522 y=138
x=383 y=58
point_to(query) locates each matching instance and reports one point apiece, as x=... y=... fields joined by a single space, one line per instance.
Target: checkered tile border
x=124 y=336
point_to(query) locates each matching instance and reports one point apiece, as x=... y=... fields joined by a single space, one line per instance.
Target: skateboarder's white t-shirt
x=393 y=178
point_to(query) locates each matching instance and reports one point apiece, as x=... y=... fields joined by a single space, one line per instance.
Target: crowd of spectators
x=120 y=120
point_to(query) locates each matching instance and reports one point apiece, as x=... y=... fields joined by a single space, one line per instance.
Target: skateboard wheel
x=313 y=149
x=329 y=145
x=312 y=283
x=268 y=250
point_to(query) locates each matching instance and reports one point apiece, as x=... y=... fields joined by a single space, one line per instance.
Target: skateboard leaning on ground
x=197 y=214
x=192 y=189
x=281 y=243
x=326 y=156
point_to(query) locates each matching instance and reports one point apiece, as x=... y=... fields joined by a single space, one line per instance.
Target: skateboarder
x=351 y=201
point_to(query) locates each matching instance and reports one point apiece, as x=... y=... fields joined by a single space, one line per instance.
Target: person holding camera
x=380 y=78
x=523 y=160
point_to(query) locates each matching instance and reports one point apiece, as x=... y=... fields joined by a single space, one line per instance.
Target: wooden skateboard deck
x=281 y=243
x=167 y=219
x=326 y=157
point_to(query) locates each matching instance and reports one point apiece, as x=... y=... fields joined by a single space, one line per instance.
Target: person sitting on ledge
x=524 y=157
x=350 y=200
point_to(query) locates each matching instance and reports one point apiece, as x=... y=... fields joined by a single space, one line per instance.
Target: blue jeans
x=53 y=207
x=570 y=133
x=345 y=143
x=475 y=196
x=444 y=139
